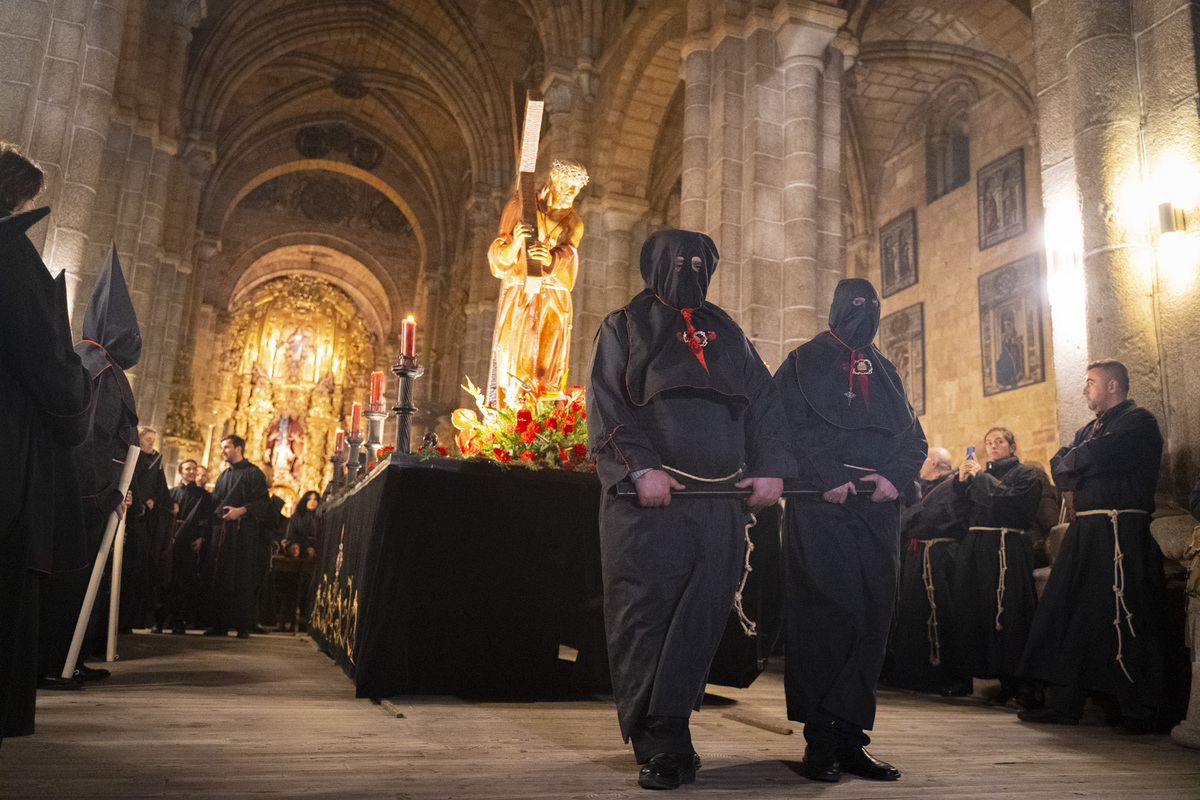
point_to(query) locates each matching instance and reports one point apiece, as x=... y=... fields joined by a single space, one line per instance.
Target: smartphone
x=971 y=453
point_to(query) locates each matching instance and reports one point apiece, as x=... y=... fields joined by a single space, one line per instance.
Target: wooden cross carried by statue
x=526 y=188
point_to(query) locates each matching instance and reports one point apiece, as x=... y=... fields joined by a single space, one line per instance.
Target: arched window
x=947 y=138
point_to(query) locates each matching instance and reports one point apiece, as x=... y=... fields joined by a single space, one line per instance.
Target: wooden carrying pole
x=89 y=599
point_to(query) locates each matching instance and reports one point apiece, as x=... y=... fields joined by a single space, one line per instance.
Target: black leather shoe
x=668 y=771
x=243 y=634
x=179 y=631
x=861 y=763
x=960 y=689
x=217 y=632
x=57 y=684
x=820 y=769
x=85 y=673
x=1046 y=716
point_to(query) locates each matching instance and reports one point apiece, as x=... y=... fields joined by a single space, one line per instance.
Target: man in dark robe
x=111 y=344
x=1097 y=627
x=677 y=397
x=146 y=565
x=237 y=540
x=193 y=520
x=922 y=643
x=851 y=426
x=43 y=392
x=994 y=593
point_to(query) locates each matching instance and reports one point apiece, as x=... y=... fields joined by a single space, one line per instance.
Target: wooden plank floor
x=272 y=716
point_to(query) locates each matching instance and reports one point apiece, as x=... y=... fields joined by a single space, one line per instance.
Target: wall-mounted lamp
x=1170 y=219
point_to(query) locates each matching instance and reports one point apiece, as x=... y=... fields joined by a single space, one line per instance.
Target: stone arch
x=218 y=213
x=346 y=265
x=650 y=55
x=249 y=36
x=947 y=136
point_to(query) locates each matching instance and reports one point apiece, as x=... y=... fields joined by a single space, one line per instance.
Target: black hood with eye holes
x=842 y=374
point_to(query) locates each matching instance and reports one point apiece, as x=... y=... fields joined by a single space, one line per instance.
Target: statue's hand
x=521 y=232
x=540 y=252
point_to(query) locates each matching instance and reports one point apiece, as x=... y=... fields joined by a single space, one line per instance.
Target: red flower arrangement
x=546 y=429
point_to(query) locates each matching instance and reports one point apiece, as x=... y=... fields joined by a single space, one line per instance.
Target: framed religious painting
x=902 y=342
x=898 y=253
x=1000 y=187
x=1010 y=326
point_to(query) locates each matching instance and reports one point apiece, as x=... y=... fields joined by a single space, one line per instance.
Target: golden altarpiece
x=295 y=348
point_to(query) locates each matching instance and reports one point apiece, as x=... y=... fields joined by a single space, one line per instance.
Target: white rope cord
x=683 y=474
x=931 y=624
x=747 y=624
x=1003 y=554
x=1118 y=576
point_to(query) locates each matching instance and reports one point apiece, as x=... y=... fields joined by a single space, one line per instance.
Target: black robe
x=836 y=621
x=670 y=574
x=43 y=389
x=848 y=417
x=146 y=564
x=922 y=644
x=1113 y=464
x=993 y=625
x=238 y=549
x=194 y=521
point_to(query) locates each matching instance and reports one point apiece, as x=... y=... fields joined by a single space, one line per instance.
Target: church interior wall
x=950 y=262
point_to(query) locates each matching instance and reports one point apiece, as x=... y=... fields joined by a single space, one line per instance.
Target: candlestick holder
x=339 y=477
x=375 y=414
x=352 y=460
x=408 y=370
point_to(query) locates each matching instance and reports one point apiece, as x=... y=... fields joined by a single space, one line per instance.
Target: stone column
x=761 y=155
x=812 y=215
x=608 y=271
x=483 y=217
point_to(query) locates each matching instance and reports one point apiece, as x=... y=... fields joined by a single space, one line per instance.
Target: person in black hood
x=677 y=397
x=994 y=593
x=111 y=344
x=43 y=393
x=856 y=439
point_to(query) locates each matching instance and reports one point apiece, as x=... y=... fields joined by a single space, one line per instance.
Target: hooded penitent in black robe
x=111 y=344
x=923 y=644
x=194 y=521
x=994 y=594
x=1112 y=464
x=43 y=394
x=237 y=548
x=675 y=385
x=849 y=417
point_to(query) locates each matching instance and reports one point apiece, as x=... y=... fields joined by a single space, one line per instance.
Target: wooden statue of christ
x=532 y=339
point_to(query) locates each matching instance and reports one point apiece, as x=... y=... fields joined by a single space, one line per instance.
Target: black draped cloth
x=848 y=418
x=192 y=524
x=994 y=592
x=239 y=549
x=43 y=390
x=1093 y=632
x=674 y=385
x=923 y=645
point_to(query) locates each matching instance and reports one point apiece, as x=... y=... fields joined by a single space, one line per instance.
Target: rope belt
x=747 y=624
x=1118 y=575
x=1003 y=569
x=931 y=624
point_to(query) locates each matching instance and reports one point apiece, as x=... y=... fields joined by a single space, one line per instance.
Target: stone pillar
x=761 y=155
x=608 y=271
x=59 y=67
x=483 y=221
x=1100 y=264
x=812 y=217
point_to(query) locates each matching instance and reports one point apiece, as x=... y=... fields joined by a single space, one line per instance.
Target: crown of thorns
x=573 y=172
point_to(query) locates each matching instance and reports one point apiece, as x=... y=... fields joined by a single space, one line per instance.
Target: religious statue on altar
x=532 y=338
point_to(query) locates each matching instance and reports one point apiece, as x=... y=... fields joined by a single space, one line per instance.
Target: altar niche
x=295 y=349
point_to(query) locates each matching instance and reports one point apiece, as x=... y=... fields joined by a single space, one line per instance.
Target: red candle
x=408 y=341
x=339 y=442
x=376 y=388
x=355 y=418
